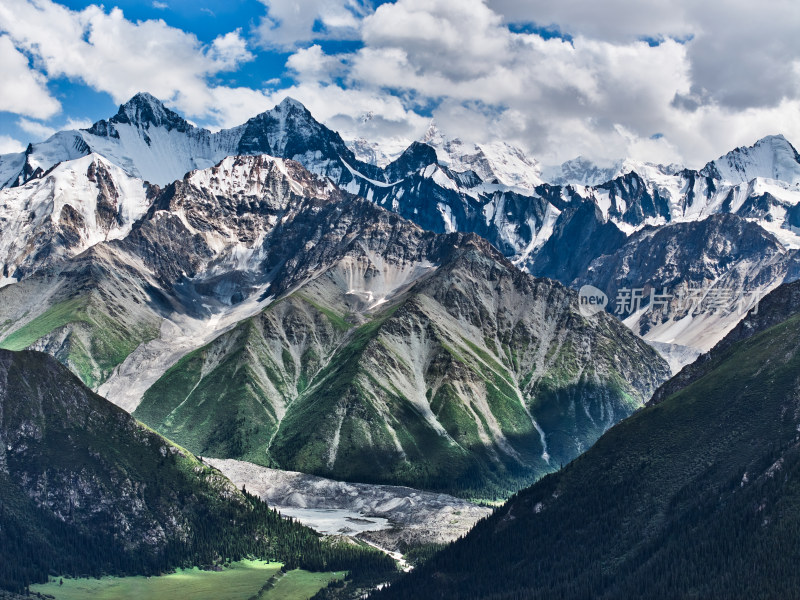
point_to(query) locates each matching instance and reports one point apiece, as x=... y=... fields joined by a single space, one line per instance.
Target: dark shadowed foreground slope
x=85 y=490
x=695 y=496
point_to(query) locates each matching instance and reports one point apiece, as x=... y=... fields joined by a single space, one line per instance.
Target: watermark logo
x=691 y=300
x=591 y=300
x=687 y=301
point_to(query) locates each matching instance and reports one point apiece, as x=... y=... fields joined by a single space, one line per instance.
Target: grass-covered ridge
x=431 y=389
x=89 y=336
x=227 y=398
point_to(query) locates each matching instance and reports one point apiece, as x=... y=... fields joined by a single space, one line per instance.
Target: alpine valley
x=405 y=330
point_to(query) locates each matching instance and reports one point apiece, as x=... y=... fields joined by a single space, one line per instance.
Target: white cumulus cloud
x=291 y=22
x=667 y=80
x=40 y=131
x=24 y=90
x=661 y=81
x=9 y=144
x=115 y=55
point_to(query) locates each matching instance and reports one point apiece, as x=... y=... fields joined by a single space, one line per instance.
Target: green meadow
x=243 y=580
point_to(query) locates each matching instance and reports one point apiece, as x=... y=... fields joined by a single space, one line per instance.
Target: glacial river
x=334 y=521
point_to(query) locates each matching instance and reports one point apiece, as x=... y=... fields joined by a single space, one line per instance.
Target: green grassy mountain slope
x=695 y=496
x=227 y=398
x=85 y=489
x=473 y=378
x=90 y=314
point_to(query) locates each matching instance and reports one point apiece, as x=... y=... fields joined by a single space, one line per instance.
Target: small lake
x=334 y=521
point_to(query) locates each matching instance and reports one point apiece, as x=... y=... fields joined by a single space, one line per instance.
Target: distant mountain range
x=564 y=228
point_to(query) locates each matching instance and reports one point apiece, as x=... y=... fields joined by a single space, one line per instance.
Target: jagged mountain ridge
x=496 y=162
x=551 y=231
x=421 y=186
x=153 y=143
x=772 y=157
x=454 y=188
x=779 y=306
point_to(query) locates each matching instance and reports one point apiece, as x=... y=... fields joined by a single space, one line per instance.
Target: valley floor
x=391 y=517
x=244 y=580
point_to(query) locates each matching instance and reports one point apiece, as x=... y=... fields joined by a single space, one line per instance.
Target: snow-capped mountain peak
x=433 y=136
x=511 y=165
x=494 y=162
x=76 y=205
x=154 y=143
x=380 y=153
x=581 y=171
x=290 y=114
x=237 y=176
x=771 y=157
x=145 y=109
x=289 y=103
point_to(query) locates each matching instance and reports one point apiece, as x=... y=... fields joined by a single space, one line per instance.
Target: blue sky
x=667 y=81
x=206 y=20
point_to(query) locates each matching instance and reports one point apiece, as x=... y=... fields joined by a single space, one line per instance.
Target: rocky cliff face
x=442 y=184
x=188 y=258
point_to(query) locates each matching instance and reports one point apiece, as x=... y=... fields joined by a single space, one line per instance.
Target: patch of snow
x=450 y=224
